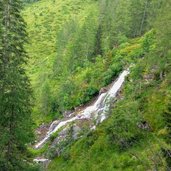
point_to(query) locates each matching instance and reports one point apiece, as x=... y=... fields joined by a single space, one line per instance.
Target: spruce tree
x=15 y=92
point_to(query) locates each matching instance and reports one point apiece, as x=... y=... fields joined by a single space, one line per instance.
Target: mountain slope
x=79 y=47
x=136 y=136
x=69 y=40
x=45 y=20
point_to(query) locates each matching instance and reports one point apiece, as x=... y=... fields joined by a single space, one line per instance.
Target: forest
x=85 y=85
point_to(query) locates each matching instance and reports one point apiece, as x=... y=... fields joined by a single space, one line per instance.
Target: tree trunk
x=143 y=18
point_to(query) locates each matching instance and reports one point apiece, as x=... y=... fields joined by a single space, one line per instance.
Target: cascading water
x=97 y=111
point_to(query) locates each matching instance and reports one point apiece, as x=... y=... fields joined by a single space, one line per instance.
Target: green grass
x=38 y=152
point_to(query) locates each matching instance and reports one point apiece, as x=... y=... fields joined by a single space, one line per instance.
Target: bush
x=122 y=130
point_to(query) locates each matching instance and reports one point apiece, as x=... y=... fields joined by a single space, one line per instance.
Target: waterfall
x=98 y=111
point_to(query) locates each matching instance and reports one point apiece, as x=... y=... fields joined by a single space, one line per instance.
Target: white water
x=97 y=111
x=40 y=160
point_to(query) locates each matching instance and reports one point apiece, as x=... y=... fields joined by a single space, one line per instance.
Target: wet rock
x=40 y=160
x=68 y=113
x=103 y=90
x=53 y=125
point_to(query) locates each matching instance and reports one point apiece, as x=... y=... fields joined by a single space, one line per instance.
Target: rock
x=144 y=125
x=93 y=128
x=41 y=131
x=53 y=125
x=61 y=137
x=103 y=90
x=42 y=161
x=77 y=109
x=76 y=131
x=67 y=114
x=38 y=132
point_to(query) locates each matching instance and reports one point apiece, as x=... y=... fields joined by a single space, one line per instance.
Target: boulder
x=103 y=90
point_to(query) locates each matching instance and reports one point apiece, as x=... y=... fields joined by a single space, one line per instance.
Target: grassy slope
x=104 y=149
x=44 y=20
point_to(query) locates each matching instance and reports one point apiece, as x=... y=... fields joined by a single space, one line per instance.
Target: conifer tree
x=15 y=92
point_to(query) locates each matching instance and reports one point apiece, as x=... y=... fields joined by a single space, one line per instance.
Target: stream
x=97 y=111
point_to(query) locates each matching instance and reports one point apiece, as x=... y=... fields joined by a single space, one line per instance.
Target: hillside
x=45 y=19
x=135 y=136
x=77 y=49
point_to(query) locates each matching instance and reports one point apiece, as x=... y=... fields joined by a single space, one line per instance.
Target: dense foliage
x=137 y=135
x=15 y=92
x=76 y=47
x=78 y=39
